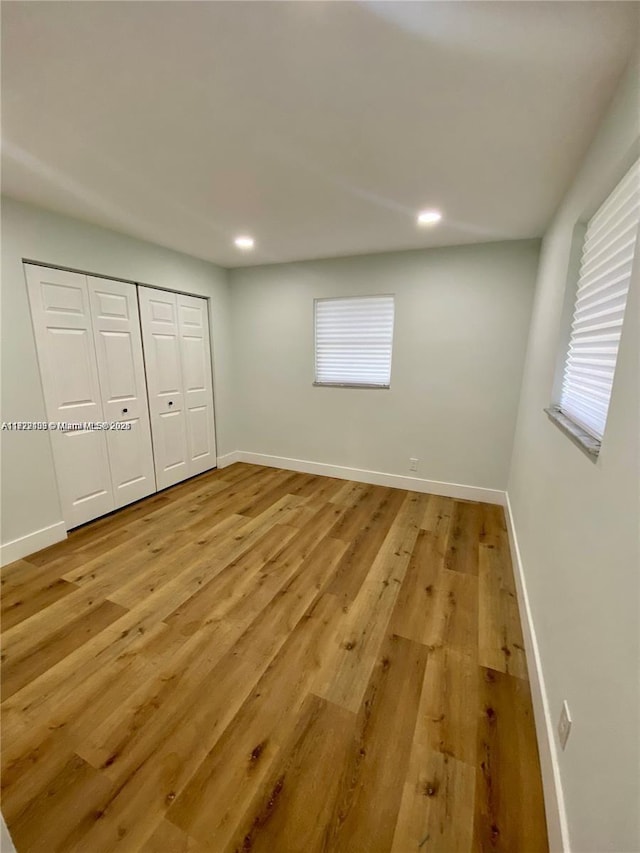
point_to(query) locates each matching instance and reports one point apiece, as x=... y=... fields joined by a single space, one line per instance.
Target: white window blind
x=605 y=272
x=354 y=337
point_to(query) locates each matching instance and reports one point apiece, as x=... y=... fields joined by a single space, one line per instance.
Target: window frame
x=356 y=385
x=582 y=437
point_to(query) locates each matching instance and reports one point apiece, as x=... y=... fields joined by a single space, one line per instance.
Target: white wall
x=462 y=316
x=577 y=527
x=29 y=491
x=6 y=844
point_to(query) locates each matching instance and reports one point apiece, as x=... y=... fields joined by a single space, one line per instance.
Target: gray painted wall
x=6 y=844
x=577 y=526
x=29 y=490
x=462 y=317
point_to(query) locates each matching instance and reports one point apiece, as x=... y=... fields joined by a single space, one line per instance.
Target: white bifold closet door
x=89 y=348
x=116 y=329
x=175 y=332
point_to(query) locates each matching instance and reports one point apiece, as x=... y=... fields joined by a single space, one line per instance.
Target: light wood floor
x=258 y=660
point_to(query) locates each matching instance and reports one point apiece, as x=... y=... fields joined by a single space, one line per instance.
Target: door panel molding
x=62 y=326
x=175 y=334
x=121 y=372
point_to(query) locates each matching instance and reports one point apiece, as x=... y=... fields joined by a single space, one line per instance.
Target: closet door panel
x=116 y=324
x=174 y=441
x=198 y=387
x=161 y=338
x=166 y=355
x=82 y=464
x=64 y=339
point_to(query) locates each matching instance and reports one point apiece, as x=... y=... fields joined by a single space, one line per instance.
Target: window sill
x=580 y=437
x=351 y=385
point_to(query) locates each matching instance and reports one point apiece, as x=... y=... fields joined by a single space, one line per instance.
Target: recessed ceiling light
x=244 y=243
x=429 y=217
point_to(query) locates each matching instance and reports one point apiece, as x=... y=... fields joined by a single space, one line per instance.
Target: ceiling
x=319 y=128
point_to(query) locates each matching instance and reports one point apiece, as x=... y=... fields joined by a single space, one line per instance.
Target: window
x=354 y=337
x=603 y=284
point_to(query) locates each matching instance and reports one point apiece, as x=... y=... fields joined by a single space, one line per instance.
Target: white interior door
x=66 y=352
x=195 y=353
x=116 y=326
x=161 y=338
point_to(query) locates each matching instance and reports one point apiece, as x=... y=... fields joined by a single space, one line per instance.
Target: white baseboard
x=228 y=459
x=557 y=826
x=375 y=478
x=32 y=542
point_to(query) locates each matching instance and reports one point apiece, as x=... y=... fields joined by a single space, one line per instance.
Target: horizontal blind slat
x=628 y=216
x=353 y=340
x=603 y=285
x=576 y=400
x=594 y=408
x=591 y=408
x=612 y=205
x=613 y=264
x=605 y=277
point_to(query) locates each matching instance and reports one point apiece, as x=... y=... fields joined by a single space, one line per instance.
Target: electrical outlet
x=413 y=464
x=564 y=724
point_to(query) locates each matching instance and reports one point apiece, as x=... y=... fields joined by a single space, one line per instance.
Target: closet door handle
x=171 y=402
x=124 y=411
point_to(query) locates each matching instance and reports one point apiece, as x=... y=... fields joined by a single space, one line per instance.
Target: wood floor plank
x=178 y=740
x=14 y=573
x=184 y=536
x=238 y=471
x=493 y=533
x=364 y=546
x=219 y=546
x=260 y=659
x=232 y=773
x=365 y=510
x=276 y=556
x=501 y=645
x=454 y=618
x=20 y=669
x=91 y=666
x=177 y=506
x=294 y=805
x=181 y=742
x=19 y=604
x=418 y=600
x=436 y=814
x=20 y=573
x=37 y=754
x=106 y=532
x=100 y=532
x=448 y=708
x=48 y=823
x=320 y=489
x=168 y=837
x=290 y=484
x=23 y=638
x=226 y=621
x=464 y=537
x=437 y=517
x=235 y=581
x=509 y=806
x=244 y=492
x=350 y=493
x=359 y=637
x=371 y=783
